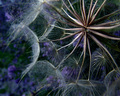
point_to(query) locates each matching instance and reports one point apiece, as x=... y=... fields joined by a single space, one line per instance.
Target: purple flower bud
x=46 y=44
x=32 y=83
x=44 y=55
x=14 y=46
x=11 y=75
x=12 y=68
x=9 y=17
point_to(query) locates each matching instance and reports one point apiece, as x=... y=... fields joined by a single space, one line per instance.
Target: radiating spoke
x=105 y=17
x=88 y=17
x=80 y=56
x=110 y=23
x=72 y=7
x=75 y=20
x=78 y=16
x=71 y=51
x=69 y=29
x=67 y=36
x=62 y=15
x=69 y=9
x=93 y=9
x=97 y=12
x=75 y=46
x=72 y=12
x=84 y=54
x=63 y=22
x=89 y=49
x=79 y=35
x=104 y=36
x=103 y=48
x=102 y=27
x=83 y=9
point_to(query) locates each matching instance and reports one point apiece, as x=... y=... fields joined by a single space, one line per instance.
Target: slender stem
x=105 y=17
x=88 y=17
x=107 y=23
x=93 y=9
x=83 y=9
x=84 y=50
x=75 y=20
x=97 y=12
x=67 y=36
x=68 y=29
x=71 y=51
x=71 y=42
x=104 y=36
x=62 y=15
x=88 y=43
x=102 y=27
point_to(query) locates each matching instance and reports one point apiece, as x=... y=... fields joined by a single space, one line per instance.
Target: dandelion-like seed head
x=86 y=25
x=75 y=23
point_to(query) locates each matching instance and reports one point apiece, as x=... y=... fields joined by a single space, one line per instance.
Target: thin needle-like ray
x=104 y=36
x=80 y=56
x=98 y=68
x=88 y=17
x=71 y=6
x=68 y=23
x=102 y=47
x=93 y=8
x=79 y=17
x=107 y=23
x=67 y=36
x=71 y=51
x=15 y=33
x=94 y=88
x=74 y=14
x=69 y=9
x=68 y=29
x=105 y=17
x=97 y=11
x=70 y=42
x=62 y=15
x=84 y=54
x=75 y=47
x=88 y=43
x=83 y=7
x=99 y=28
x=75 y=20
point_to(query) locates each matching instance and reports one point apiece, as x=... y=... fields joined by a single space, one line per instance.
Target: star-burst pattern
x=86 y=25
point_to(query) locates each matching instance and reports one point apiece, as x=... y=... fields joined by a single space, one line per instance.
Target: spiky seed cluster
x=87 y=26
x=84 y=26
